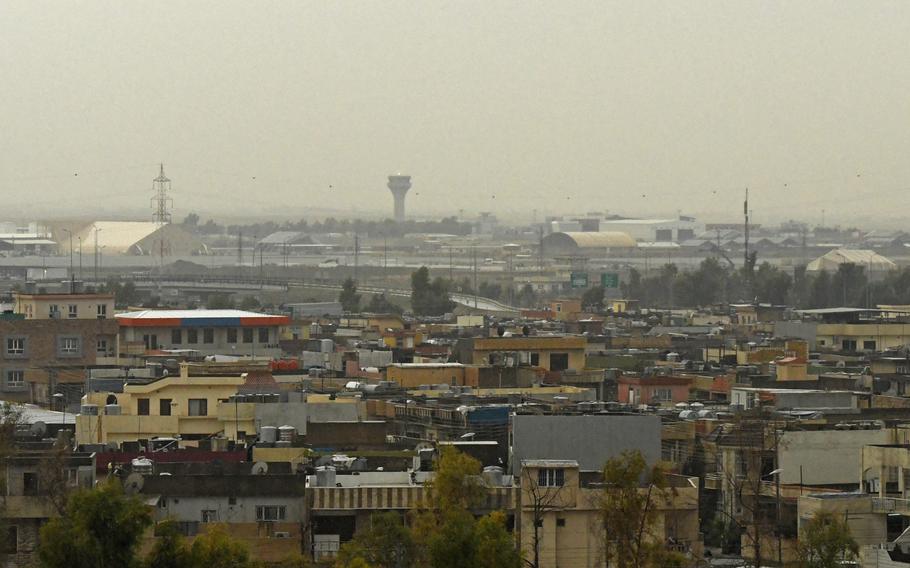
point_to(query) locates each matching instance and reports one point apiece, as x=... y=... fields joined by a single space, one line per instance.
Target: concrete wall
x=589 y=440
x=283 y=413
x=243 y=511
x=826 y=457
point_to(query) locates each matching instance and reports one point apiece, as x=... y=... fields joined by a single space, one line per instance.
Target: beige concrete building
x=182 y=406
x=64 y=306
x=564 y=504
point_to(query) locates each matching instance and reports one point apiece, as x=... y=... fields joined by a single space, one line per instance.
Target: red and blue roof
x=199 y=318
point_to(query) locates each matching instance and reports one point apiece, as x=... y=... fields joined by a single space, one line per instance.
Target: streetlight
x=70 y=233
x=776 y=474
x=80 y=256
x=97 y=253
x=61 y=397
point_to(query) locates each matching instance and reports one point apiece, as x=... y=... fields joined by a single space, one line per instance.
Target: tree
x=526 y=296
x=216 y=549
x=445 y=520
x=495 y=546
x=349 y=298
x=593 y=299
x=429 y=298
x=249 y=303
x=102 y=527
x=628 y=505
x=490 y=290
x=379 y=304
x=191 y=220
x=771 y=284
x=825 y=542
x=170 y=550
x=386 y=544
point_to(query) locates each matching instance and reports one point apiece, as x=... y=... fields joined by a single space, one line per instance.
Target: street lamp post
x=62 y=398
x=70 y=233
x=776 y=474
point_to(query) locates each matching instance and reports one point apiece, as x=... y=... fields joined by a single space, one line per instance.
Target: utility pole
x=97 y=253
x=356 y=254
x=474 y=249
x=747 y=272
x=451 y=266
x=240 y=251
x=70 y=233
x=80 y=257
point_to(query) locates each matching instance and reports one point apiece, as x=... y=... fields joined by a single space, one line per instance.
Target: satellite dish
x=38 y=429
x=133 y=483
x=260 y=468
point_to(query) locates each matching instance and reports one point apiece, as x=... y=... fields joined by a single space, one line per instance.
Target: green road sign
x=579 y=280
x=609 y=280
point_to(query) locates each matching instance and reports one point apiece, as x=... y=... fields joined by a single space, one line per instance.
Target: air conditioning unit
x=282 y=534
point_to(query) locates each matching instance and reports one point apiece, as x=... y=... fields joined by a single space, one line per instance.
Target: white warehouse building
x=656 y=230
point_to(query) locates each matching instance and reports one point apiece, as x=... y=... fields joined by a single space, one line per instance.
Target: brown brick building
x=39 y=357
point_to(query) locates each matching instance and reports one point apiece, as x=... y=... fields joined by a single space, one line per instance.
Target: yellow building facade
x=189 y=407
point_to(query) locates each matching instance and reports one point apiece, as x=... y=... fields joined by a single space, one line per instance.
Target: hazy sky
x=565 y=106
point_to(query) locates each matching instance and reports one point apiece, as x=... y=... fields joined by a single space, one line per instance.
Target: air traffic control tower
x=399 y=186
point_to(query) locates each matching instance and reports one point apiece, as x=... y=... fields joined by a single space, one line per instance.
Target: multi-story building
x=208 y=332
x=38 y=480
x=76 y=306
x=50 y=340
x=184 y=405
x=561 y=506
x=553 y=353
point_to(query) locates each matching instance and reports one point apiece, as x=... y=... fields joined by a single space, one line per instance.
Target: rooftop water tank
x=268 y=434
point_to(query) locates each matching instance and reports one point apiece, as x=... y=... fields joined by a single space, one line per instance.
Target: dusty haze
x=632 y=107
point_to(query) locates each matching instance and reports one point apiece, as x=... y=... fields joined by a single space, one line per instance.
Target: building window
x=208 y=335
x=15 y=379
x=30 y=484
x=164 y=407
x=70 y=346
x=15 y=346
x=176 y=336
x=73 y=311
x=248 y=335
x=551 y=477
x=192 y=336
x=560 y=522
x=263 y=335
x=535 y=359
x=663 y=395
x=150 y=340
x=102 y=311
x=143 y=407
x=53 y=311
x=101 y=346
x=848 y=344
x=559 y=361
x=869 y=345
x=270 y=512
x=199 y=407
x=209 y=516
x=232 y=335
